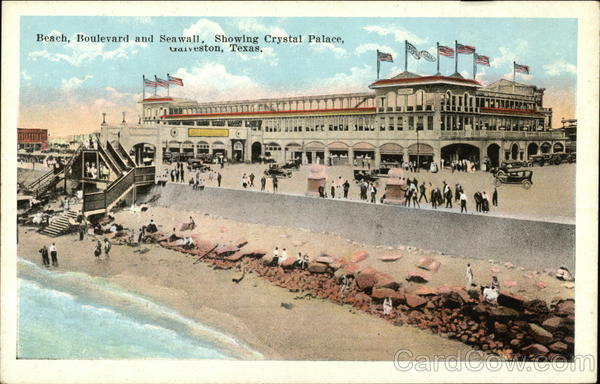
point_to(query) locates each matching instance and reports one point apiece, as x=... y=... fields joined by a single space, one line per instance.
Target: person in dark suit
x=495 y=198
x=45 y=259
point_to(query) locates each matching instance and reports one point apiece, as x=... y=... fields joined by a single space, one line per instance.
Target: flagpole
x=168 y=84
x=378 y=64
x=514 y=72
x=143 y=87
x=405 y=55
x=474 y=64
x=455 y=56
x=438 y=58
x=155 y=88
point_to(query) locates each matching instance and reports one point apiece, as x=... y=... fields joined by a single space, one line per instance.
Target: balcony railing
x=533 y=135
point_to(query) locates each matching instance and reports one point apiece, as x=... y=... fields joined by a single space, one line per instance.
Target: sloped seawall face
x=531 y=244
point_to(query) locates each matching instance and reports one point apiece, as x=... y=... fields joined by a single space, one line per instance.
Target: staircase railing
x=51 y=174
x=115 y=156
x=104 y=199
x=119 y=187
x=111 y=162
x=125 y=155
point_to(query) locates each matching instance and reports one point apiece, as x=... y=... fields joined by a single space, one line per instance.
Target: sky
x=65 y=87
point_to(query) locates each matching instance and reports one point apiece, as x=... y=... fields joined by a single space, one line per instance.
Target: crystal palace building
x=403 y=118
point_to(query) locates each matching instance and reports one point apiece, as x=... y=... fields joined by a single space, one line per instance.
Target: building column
x=314 y=157
x=195 y=149
x=326 y=154
x=350 y=156
x=377 y=157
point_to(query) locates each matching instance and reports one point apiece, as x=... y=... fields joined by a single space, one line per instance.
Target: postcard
x=295 y=192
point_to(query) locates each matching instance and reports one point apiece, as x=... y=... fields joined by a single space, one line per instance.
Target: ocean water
x=66 y=315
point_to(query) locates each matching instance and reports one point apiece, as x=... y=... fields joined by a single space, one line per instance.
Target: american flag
x=383 y=56
x=483 y=60
x=175 y=80
x=150 y=83
x=161 y=82
x=522 y=68
x=465 y=49
x=446 y=51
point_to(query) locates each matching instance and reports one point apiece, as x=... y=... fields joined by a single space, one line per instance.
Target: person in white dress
x=469 y=276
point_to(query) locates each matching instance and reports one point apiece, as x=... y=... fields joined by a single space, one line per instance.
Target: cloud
x=68 y=85
x=253 y=26
x=518 y=76
x=356 y=81
x=78 y=53
x=207 y=29
x=25 y=76
x=322 y=47
x=204 y=28
x=397 y=33
x=373 y=47
x=212 y=82
x=516 y=52
x=560 y=67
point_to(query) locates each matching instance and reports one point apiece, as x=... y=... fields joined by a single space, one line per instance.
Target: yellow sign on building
x=207 y=132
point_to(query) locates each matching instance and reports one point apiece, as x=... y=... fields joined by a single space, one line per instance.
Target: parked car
x=523 y=177
x=198 y=164
x=292 y=164
x=277 y=171
x=365 y=175
x=562 y=157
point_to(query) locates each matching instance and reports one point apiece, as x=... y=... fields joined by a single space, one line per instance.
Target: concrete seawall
x=532 y=244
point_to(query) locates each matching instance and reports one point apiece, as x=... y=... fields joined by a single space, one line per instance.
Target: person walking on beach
x=251 y=178
x=333 y=190
x=107 y=247
x=54 y=255
x=45 y=259
x=98 y=250
x=81 y=230
x=244 y=182
x=495 y=197
x=218 y=179
x=469 y=276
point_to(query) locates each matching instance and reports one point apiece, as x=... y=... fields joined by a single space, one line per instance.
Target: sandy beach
x=311 y=329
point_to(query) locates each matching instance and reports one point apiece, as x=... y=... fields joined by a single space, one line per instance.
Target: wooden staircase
x=60 y=224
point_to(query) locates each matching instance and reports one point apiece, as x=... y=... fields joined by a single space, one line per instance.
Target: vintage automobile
x=508 y=165
x=361 y=175
x=274 y=170
x=198 y=164
x=562 y=157
x=523 y=177
x=292 y=164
